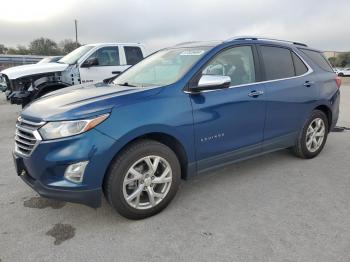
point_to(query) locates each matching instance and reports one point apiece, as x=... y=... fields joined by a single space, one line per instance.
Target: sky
x=160 y=23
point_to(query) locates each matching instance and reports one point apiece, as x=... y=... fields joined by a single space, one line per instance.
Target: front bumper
x=88 y=197
x=44 y=169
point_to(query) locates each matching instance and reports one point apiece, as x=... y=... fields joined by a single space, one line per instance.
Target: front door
x=229 y=122
x=108 y=65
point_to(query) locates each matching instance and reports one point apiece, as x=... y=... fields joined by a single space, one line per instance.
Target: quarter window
x=133 y=54
x=300 y=67
x=236 y=62
x=107 y=56
x=319 y=59
x=278 y=62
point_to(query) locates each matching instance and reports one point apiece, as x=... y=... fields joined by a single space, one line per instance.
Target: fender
x=157 y=130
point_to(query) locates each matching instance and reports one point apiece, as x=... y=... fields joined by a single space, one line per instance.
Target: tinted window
x=133 y=54
x=278 y=62
x=107 y=56
x=300 y=67
x=319 y=59
x=237 y=63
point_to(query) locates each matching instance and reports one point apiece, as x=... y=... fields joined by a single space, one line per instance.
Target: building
x=329 y=54
x=16 y=60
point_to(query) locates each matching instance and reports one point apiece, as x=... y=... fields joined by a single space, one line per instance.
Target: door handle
x=309 y=83
x=116 y=72
x=256 y=93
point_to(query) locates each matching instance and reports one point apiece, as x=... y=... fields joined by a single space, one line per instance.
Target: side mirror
x=212 y=82
x=90 y=62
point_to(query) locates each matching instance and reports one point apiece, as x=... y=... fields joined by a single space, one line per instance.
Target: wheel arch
x=328 y=112
x=172 y=142
x=50 y=87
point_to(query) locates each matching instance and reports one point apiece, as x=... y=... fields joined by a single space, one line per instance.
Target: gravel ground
x=272 y=208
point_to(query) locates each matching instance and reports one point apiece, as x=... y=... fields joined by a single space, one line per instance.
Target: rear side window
x=278 y=62
x=300 y=67
x=133 y=54
x=319 y=59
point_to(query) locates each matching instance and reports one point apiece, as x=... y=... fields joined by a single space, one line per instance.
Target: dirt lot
x=274 y=208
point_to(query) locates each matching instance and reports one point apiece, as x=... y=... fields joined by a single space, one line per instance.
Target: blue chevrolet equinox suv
x=181 y=111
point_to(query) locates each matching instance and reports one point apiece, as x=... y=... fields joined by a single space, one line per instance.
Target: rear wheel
x=143 y=179
x=313 y=136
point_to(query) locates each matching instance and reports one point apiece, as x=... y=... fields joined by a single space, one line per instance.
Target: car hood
x=83 y=101
x=34 y=69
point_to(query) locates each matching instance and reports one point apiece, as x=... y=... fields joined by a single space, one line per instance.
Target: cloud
x=159 y=23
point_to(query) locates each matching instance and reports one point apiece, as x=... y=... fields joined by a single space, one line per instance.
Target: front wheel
x=313 y=136
x=143 y=179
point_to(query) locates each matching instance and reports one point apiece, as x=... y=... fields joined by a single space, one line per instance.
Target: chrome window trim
x=310 y=70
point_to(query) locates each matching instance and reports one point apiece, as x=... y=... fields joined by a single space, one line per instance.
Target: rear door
x=108 y=58
x=290 y=93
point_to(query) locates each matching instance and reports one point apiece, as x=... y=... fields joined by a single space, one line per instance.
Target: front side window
x=236 y=62
x=133 y=54
x=162 y=68
x=278 y=62
x=107 y=56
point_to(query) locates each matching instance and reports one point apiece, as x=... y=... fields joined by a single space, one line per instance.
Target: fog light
x=75 y=172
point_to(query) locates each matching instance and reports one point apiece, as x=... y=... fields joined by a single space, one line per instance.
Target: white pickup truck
x=86 y=64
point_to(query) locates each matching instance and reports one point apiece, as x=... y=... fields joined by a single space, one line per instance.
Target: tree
x=332 y=60
x=68 y=46
x=44 y=46
x=343 y=59
x=3 y=49
x=20 y=50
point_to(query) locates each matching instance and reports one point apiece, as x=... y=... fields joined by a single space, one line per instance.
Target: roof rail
x=263 y=38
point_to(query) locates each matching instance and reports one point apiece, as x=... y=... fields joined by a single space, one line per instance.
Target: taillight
x=338 y=81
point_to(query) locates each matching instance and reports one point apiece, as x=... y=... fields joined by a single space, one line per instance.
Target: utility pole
x=76 y=32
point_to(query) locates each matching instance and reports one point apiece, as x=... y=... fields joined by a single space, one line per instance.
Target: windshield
x=75 y=55
x=162 y=68
x=44 y=61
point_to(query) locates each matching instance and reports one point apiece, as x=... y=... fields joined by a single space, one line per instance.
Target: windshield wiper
x=126 y=84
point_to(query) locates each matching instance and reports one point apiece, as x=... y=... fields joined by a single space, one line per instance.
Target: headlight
x=54 y=130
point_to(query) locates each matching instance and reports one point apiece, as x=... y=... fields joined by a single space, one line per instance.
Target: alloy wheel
x=147 y=182
x=315 y=134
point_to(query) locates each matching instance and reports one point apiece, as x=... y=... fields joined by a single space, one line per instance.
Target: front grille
x=27 y=136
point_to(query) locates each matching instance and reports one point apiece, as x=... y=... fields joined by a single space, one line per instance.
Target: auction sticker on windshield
x=192 y=52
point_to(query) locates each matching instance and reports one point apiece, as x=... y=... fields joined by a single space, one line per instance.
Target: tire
x=303 y=148
x=133 y=163
x=341 y=74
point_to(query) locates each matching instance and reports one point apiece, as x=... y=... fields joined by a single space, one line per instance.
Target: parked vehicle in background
x=336 y=70
x=50 y=59
x=86 y=64
x=181 y=111
x=344 y=72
